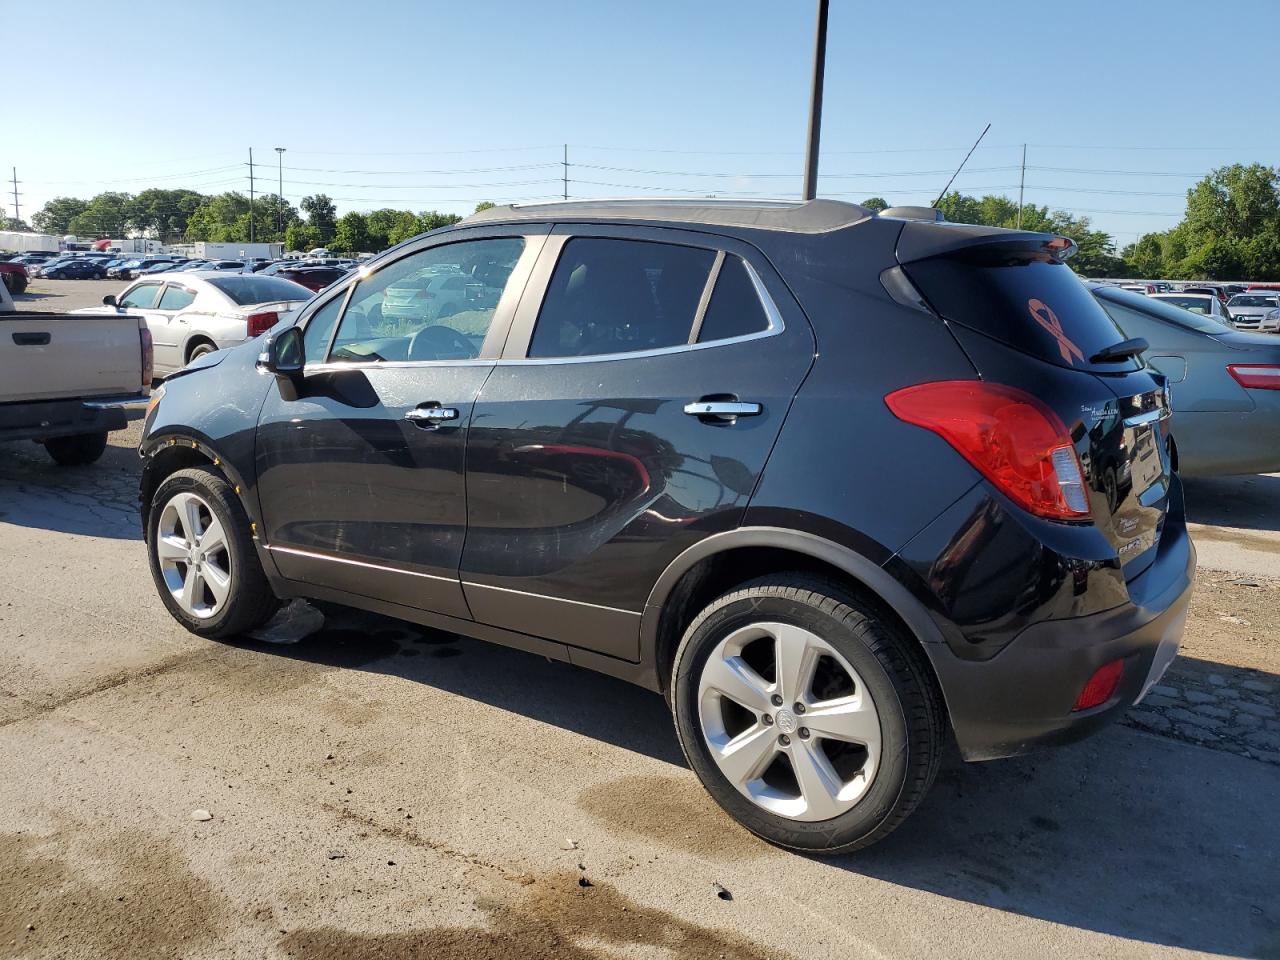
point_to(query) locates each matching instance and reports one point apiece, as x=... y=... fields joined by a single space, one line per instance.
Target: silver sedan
x=1225 y=383
x=190 y=314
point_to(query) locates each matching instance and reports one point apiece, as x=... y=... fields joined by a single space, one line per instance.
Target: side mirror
x=110 y=301
x=284 y=354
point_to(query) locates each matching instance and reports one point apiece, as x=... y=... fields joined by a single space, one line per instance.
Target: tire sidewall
x=880 y=800
x=237 y=543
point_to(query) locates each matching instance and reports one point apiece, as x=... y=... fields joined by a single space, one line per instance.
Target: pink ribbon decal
x=1049 y=320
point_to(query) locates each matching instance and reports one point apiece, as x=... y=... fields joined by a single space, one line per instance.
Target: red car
x=313 y=278
x=14 y=275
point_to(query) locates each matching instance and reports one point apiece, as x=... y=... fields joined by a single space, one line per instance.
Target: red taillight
x=148 y=356
x=1013 y=440
x=260 y=323
x=1100 y=686
x=1255 y=376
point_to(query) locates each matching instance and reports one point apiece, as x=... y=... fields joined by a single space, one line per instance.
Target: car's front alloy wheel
x=191 y=547
x=203 y=561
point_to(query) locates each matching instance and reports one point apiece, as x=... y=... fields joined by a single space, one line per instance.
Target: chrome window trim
x=772 y=314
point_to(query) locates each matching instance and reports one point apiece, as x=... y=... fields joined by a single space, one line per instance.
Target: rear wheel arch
x=722 y=562
x=199 y=340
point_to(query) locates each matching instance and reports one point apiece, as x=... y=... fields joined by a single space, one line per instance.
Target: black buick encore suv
x=839 y=484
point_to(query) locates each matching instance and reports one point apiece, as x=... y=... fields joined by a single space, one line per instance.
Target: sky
x=428 y=105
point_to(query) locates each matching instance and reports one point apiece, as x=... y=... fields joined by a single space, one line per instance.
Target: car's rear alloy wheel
x=789 y=722
x=202 y=556
x=806 y=713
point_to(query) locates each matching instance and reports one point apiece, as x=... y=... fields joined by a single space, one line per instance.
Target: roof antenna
x=961 y=167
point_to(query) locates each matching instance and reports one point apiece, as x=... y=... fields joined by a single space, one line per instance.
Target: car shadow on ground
x=1126 y=834
x=1248 y=502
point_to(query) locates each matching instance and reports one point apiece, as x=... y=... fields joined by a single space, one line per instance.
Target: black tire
x=251 y=602
x=199 y=350
x=893 y=671
x=76 y=450
x=15 y=282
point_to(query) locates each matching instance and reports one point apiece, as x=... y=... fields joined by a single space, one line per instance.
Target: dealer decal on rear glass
x=1049 y=320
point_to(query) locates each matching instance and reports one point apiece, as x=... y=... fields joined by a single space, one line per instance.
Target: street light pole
x=810 y=190
x=280 y=191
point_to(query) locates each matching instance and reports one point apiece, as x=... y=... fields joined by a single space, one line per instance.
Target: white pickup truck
x=66 y=381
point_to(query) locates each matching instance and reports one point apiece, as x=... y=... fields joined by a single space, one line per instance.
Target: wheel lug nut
x=776 y=700
x=804 y=733
x=784 y=740
x=768 y=720
x=799 y=707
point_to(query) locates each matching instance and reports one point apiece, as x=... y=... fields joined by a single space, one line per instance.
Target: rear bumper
x=43 y=419
x=1023 y=696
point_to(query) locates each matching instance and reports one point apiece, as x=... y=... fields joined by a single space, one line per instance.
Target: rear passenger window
x=735 y=309
x=175 y=298
x=620 y=296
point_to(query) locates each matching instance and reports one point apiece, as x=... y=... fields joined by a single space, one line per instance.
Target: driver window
x=436 y=304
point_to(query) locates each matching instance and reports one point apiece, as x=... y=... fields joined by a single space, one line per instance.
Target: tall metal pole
x=566 y=171
x=16 y=214
x=810 y=189
x=1022 y=181
x=251 y=230
x=280 y=191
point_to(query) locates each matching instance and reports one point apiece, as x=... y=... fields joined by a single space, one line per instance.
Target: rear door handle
x=31 y=339
x=723 y=408
x=431 y=416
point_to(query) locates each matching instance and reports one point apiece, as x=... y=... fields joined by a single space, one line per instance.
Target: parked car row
x=1254 y=306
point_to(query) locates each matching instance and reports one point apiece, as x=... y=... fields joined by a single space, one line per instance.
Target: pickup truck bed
x=67 y=380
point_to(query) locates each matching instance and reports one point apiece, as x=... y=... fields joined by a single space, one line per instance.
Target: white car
x=191 y=314
x=1205 y=304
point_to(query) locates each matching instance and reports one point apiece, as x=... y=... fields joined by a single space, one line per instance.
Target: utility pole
x=810 y=189
x=1022 y=181
x=16 y=214
x=280 y=191
x=565 y=163
x=251 y=229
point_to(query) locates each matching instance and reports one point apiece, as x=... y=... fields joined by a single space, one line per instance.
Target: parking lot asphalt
x=384 y=790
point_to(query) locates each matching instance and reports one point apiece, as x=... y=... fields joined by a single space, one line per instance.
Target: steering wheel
x=439 y=341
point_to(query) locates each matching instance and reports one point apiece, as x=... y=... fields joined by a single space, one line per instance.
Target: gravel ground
x=383 y=790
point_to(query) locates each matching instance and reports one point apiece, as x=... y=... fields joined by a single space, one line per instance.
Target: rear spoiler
x=921 y=240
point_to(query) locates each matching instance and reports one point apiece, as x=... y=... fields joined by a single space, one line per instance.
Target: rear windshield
x=248 y=289
x=1034 y=304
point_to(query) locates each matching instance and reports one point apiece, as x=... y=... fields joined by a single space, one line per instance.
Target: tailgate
x=50 y=356
x=1052 y=335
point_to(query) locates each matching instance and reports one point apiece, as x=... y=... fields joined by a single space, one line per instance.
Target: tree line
x=185 y=215
x=1230 y=230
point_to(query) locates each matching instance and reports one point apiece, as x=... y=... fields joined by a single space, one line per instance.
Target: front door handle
x=727 y=409
x=431 y=416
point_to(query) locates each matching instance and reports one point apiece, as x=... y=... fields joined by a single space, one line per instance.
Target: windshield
x=250 y=288
x=1253 y=300
x=1162 y=309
